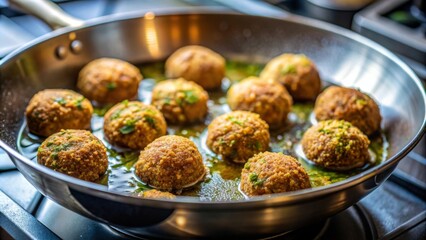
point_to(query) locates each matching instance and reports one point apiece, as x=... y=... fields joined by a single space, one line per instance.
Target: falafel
x=268 y=172
x=133 y=124
x=109 y=80
x=155 y=194
x=180 y=101
x=336 y=145
x=51 y=110
x=170 y=163
x=297 y=73
x=267 y=98
x=198 y=64
x=77 y=153
x=350 y=105
x=238 y=135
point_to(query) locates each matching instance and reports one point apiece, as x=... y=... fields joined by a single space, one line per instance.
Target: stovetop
x=396 y=210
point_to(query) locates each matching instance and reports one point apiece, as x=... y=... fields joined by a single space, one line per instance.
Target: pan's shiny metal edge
x=192 y=203
x=187 y=216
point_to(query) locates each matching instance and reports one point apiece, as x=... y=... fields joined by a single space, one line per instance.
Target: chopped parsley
x=116 y=114
x=288 y=69
x=60 y=100
x=150 y=120
x=54 y=155
x=340 y=148
x=167 y=101
x=126 y=129
x=254 y=179
x=235 y=120
x=325 y=131
x=100 y=111
x=190 y=97
x=361 y=102
x=256 y=145
x=62 y=147
x=126 y=159
x=111 y=86
x=247 y=166
x=129 y=126
x=78 y=102
x=56 y=149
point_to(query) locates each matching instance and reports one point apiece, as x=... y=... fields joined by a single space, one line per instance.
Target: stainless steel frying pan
x=343 y=57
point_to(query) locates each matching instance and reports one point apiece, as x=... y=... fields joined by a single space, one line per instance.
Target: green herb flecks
x=167 y=101
x=112 y=153
x=235 y=120
x=78 y=103
x=100 y=111
x=116 y=114
x=288 y=69
x=247 y=166
x=254 y=179
x=127 y=129
x=256 y=145
x=62 y=147
x=142 y=187
x=125 y=102
x=54 y=155
x=190 y=97
x=129 y=126
x=56 y=149
x=104 y=178
x=154 y=71
x=60 y=100
x=236 y=71
x=150 y=120
x=111 y=86
x=126 y=159
x=361 y=102
x=325 y=131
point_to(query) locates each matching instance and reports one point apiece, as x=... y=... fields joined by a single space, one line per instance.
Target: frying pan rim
x=191 y=203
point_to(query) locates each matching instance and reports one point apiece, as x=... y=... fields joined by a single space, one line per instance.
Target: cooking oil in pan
x=223 y=179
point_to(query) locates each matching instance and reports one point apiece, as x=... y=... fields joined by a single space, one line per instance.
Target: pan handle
x=46 y=11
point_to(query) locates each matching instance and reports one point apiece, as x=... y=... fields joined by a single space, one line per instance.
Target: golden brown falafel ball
x=297 y=73
x=180 y=101
x=153 y=193
x=170 y=163
x=77 y=153
x=350 y=105
x=133 y=124
x=336 y=145
x=51 y=110
x=268 y=172
x=267 y=98
x=238 y=135
x=109 y=80
x=198 y=64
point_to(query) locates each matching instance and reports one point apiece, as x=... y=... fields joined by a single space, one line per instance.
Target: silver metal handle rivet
x=76 y=46
x=61 y=52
